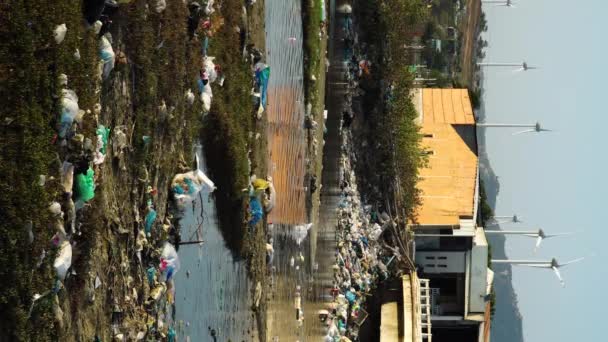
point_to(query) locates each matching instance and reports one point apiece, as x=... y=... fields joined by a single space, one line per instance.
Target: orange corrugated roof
x=451 y=106
x=448 y=183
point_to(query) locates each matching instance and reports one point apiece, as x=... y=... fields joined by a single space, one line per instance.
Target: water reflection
x=216 y=294
x=286 y=135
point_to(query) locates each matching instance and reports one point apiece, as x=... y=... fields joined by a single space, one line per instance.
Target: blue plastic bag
x=255 y=209
x=150 y=218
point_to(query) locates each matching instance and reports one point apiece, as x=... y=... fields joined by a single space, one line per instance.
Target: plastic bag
x=169 y=262
x=210 y=69
x=107 y=55
x=185 y=186
x=63 y=261
x=69 y=110
x=102 y=142
x=150 y=218
x=260 y=184
x=189 y=97
x=272 y=198
x=59 y=33
x=159 y=6
x=255 y=209
x=84 y=186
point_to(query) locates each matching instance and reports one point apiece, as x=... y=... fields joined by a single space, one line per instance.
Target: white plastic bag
x=64 y=260
x=59 y=33
x=107 y=55
x=169 y=262
x=67 y=176
x=190 y=97
x=159 y=6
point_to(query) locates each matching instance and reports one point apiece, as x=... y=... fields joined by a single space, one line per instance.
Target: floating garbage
x=186 y=186
x=300 y=232
x=272 y=198
x=262 y=75
x=59 y=33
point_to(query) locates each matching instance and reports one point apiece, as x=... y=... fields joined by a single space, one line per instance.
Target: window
x=429 y=152
x=429 y=265
x=443 y=258
x=431 y=258
x=429 y=135
x=443 y=266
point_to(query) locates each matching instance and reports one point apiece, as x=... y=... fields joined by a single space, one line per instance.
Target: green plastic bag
x=84 y=186
x=105 y=134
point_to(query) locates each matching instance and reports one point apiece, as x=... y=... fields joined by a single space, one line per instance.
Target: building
x=405 y=312
x=451 y=251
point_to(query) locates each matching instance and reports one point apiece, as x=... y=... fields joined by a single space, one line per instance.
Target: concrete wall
x=435 y=262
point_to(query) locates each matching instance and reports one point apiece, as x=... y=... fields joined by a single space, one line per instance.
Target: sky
x=555 y=181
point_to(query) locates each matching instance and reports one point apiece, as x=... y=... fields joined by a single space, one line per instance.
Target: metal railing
x=424 y=310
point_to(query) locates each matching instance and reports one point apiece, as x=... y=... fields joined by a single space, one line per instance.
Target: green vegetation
x=398 y=154
x=485 y=211
x=313 y=56
x=405 y=137
x=30 y=62
x=227 y=126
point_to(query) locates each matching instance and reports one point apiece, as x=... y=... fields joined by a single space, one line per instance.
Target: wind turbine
x=508 y=219
x=531 y=128
x=552 y=264
x=539 y=234
x=523 y=66
x=506 y=3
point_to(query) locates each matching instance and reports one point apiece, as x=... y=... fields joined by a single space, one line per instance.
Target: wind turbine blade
x=558 y=234
x=526 y=131
x=547 y=265
x=571 y=262
x=546 y=130
x=559 y=276
x=538 y=242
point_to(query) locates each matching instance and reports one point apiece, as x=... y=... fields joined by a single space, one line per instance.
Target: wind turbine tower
x=530 y=128
x=522 y=66
x=505 y=3
x=551 y=264
x=539 y=234
x=506 y=219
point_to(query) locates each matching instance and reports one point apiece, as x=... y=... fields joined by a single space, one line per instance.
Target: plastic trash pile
x=262 y=198
x=358 y=265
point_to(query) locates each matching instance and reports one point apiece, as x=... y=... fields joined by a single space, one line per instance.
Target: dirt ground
x=470 y=28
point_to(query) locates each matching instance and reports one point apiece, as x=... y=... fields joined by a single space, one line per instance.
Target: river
x=216 y=294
